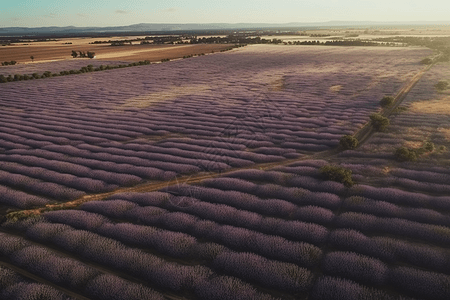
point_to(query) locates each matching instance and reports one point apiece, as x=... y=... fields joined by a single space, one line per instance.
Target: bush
x=408 y=154
x=9 y=63
x=336 y=173
x=348 y=142
x=387 y=101
x=426 y=61
x=427 y=147
x=405 y=154
x=441 y=85
x=379 y=122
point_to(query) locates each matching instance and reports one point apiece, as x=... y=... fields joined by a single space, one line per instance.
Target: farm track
x=362 y=135
x=368 y=130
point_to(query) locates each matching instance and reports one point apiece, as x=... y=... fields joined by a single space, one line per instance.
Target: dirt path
x=367 y=131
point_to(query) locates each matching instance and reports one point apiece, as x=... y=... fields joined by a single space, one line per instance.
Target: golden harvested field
x=52 y=51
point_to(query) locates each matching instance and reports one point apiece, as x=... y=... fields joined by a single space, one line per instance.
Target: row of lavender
x=196 y=234
x=138 y=265
x=269 y=229
x=154 y=122
x=14 y=286
x=384 y=237
x=64 y=271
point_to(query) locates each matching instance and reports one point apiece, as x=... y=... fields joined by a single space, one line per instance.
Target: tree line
x=82 y=54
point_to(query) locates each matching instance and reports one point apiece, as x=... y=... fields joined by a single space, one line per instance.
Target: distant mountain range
x=152 y=27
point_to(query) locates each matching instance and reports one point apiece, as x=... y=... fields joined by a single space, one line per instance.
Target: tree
x=379 y=122
x=405 y=154
x=387 y=101
x=74 y=54
x=348 y=142
x=336 y=173
x=429 y=146
x=90 y=54
x=32 y=58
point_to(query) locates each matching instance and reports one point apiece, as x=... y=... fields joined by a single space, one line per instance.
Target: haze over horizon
x=100 y=13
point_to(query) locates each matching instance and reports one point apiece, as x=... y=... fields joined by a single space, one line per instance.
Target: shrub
x=387 y=101
x=426 y=61
x=3 y=79
x=379 y=122
x=18 y=77
x=348 y=142
x=9 y=63
x=408 y=154
x=338 y=174
x=441 y=85
x=399 y=110
x=428 y=147
x=405 y=154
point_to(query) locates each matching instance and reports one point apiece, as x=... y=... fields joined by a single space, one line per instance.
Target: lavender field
x=254 y=227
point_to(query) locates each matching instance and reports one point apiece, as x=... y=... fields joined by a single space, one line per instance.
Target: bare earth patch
x=143 y=101
x=439 y=107
x=336 y=88
x=277 y=85
x=445 y=132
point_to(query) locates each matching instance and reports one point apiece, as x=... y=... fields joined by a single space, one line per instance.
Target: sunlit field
x=202 y=178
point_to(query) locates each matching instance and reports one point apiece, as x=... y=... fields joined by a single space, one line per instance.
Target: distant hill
x=151 y=27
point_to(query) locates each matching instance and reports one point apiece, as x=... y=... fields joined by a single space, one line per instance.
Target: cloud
x=170 y=10
x=81 y=15
x=121 y=11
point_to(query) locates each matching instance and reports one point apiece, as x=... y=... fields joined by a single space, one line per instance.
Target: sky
x=86 y=13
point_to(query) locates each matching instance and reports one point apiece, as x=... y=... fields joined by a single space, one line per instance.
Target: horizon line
x=250 y=23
